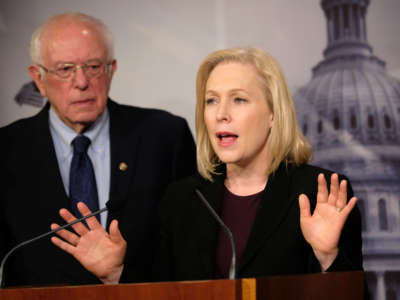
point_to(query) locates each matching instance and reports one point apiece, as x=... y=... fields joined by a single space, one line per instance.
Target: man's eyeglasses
x=91 y=68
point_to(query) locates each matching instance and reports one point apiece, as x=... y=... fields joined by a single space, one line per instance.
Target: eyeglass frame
x=75 y=67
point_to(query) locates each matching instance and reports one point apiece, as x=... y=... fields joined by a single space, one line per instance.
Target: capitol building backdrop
x=350 y=112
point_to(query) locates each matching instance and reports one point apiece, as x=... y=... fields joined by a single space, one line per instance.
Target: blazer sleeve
x=183 y=164
x=161 y=269
x=3 y=184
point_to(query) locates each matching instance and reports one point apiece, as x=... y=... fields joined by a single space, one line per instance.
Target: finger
x=334 y=190
x=322 y=195
x=66 y=235
x=342 y=198
x=79 y=228
x=63 y=245
x=115 y=234
x=92 y=222
x=304 y=204
x=350 y=205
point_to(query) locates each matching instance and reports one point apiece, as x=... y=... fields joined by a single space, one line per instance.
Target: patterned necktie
x=82 y=181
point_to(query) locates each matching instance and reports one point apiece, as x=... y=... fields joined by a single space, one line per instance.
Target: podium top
x=341 y=285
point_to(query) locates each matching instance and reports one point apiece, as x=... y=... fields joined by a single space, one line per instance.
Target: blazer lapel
x=273 y=208
x=50 y=183
x=206 y=227
x=123 y=158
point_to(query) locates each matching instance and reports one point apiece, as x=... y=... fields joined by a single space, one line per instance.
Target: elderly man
x=83 y=147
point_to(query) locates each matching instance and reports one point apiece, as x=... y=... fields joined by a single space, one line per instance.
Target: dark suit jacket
x=276 y=245
x=158 y=149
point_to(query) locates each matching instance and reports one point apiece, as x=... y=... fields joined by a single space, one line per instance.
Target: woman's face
x=237 y=115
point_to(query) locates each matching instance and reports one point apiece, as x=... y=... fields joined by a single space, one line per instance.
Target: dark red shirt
x=238 y=213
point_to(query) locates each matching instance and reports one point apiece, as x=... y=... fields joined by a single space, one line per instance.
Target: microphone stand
x=3 y=262
x=232 y=269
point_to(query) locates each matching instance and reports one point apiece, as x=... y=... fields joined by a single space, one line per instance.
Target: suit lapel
x=50 y=182
x=273 y=208
x=123 y=158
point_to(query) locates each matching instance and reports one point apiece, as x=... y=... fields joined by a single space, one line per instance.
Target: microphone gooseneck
x=3 y=262
x=232 y=269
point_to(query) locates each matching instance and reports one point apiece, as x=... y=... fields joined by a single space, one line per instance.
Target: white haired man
x=131 y=155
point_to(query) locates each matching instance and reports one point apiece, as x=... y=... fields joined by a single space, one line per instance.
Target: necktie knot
x=80 y=144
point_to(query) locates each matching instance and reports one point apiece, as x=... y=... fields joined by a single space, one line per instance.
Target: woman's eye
x=240 y=100
x=210 y=101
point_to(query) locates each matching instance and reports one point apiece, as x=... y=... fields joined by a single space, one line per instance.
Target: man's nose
x=81 y=80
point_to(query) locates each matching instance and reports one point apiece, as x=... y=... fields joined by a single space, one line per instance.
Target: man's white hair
x=36 y=41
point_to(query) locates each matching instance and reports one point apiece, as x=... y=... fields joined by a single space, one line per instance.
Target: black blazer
x=158 y=149
x=276 y=245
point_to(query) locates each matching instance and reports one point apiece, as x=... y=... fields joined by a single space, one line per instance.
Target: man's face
x=79 y=99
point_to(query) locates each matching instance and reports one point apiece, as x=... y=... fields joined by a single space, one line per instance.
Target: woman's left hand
x=322 y=229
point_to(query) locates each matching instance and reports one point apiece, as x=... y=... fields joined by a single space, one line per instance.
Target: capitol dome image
x=350 y=113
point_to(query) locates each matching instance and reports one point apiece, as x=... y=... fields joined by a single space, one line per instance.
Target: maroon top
x=238 y=213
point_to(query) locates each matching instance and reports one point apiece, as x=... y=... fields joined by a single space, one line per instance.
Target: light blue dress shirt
x=98 y=151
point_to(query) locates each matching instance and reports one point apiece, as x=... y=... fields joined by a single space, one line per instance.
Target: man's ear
x=38 y=78
x=113 y=67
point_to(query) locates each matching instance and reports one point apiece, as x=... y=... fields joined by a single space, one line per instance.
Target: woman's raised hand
x=322 y=229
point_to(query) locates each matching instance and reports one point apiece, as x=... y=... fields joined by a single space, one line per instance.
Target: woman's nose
x=223 y=112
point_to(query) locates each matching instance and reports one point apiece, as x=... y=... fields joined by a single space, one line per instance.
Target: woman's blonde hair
x=285 y=143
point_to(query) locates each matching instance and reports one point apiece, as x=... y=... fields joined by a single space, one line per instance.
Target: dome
x=351 y=107
x=350 y=113
x=353 y=102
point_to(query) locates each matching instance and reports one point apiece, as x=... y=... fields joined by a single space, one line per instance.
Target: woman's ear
x=271 y=120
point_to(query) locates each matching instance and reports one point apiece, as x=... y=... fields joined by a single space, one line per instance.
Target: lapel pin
x=123 y=166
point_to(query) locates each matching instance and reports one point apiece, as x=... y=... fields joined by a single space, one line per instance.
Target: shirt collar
x=97 y=132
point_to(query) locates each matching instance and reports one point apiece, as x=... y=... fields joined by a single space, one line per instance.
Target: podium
x=341 y=285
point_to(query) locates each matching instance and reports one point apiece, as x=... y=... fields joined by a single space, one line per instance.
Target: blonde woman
x=253 y=170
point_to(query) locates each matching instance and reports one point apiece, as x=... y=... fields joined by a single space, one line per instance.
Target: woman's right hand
x=99 y=252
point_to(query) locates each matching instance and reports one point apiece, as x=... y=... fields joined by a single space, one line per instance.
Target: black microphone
x=232 y=269
x=3 y=262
